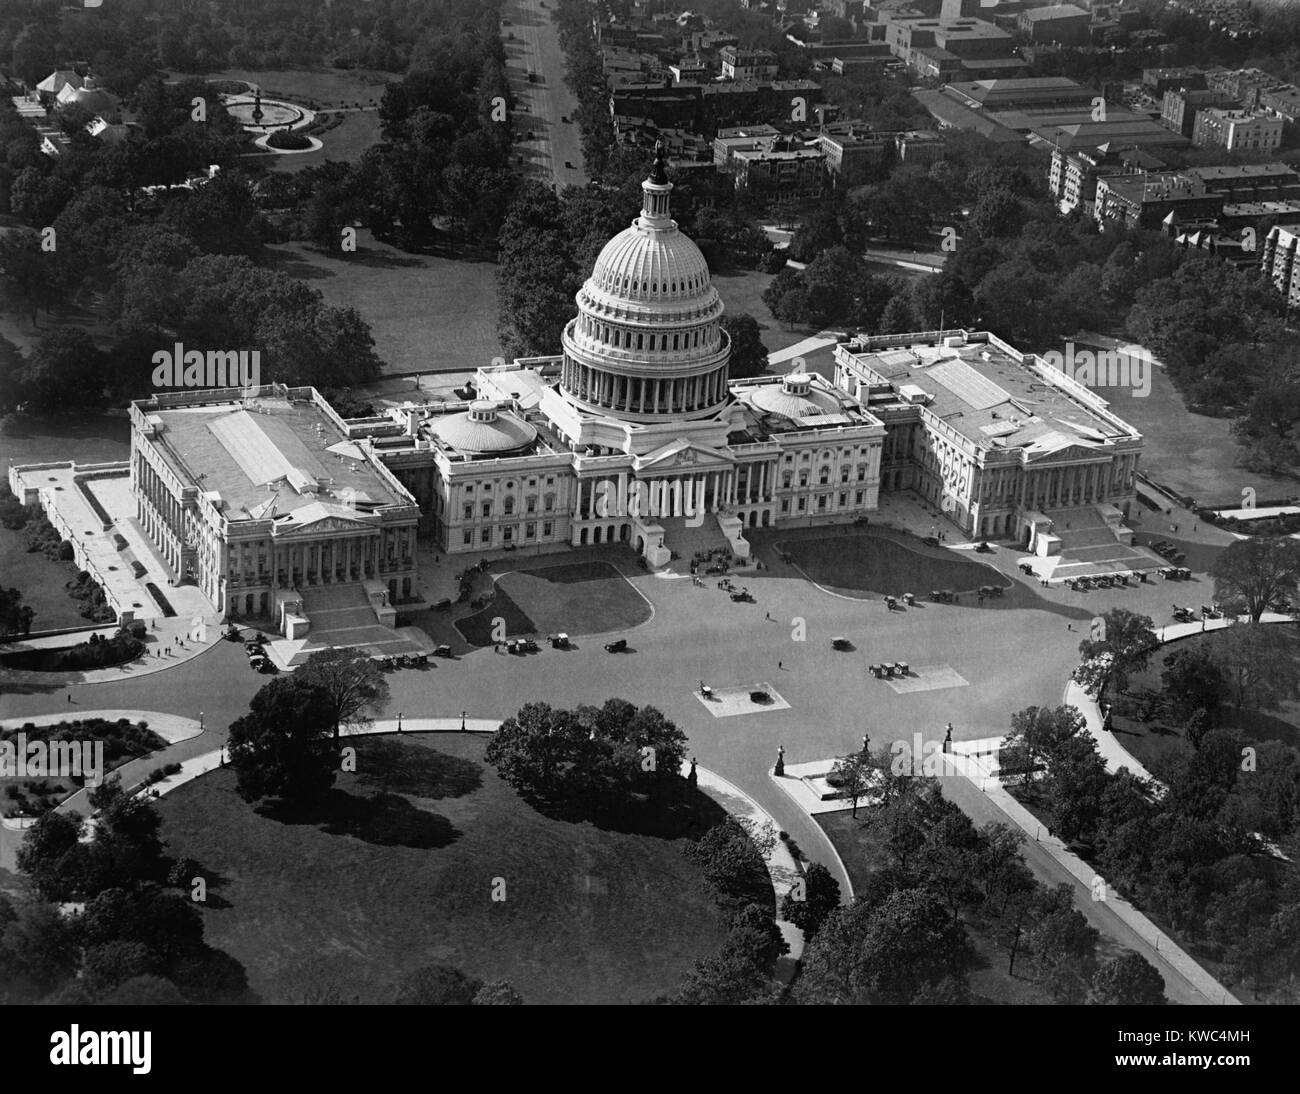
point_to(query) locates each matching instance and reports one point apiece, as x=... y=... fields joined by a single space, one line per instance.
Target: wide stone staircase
x=1091 y=547
x=341 y=616
x=685 y=541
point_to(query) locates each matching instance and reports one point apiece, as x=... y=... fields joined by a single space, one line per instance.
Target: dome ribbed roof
x=794 y=397
x=651 y=264
x=481 y=430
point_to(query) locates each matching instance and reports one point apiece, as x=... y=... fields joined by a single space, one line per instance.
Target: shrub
x=289 y=140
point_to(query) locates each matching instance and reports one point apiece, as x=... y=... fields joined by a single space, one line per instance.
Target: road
x=540 y=106
x=782 y=642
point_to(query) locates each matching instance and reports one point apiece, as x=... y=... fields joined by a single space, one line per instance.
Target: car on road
x=564 y=118
x=569 y=165
x=617 y=646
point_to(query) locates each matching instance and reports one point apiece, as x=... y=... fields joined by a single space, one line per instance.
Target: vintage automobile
x=619 y=645
x=841 y=644
x=559 y=641
x=941 y=596
x=442 y=651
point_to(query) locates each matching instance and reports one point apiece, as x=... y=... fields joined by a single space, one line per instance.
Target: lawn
x=41 y=580
x=989 y=981
x=313 y=87
x=577 y=598
x=1160 y=740
x=742 y=293
x=426 y=312
x=1186 y=452
x=344 y=142
x=864 y=565
x=344 y=904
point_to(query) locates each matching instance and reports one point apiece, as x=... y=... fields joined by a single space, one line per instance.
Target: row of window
x=508 y=506
x=823 y=479
x=507 y=534
x=801 y=504
x=828 y=454
x=628 y=284
x=621 y=338
x=510 y=484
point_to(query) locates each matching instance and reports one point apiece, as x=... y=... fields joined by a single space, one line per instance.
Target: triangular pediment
x=1063 y=452
x=321 y=527
x=684 y=454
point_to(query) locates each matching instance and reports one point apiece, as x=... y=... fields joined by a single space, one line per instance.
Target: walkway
x=1168 y=953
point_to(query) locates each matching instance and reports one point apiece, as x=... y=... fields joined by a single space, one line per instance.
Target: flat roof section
x=266 y=449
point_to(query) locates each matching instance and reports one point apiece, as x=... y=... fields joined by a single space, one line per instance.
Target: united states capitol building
x=634 y=434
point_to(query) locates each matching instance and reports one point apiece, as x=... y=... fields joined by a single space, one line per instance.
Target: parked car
x=559 y=641
x=841 y=644
x=569 y=165
x=442 y=651
x=619 y=645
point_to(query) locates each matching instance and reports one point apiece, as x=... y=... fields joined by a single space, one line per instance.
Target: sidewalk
x=164 y=633
x=1209 y=990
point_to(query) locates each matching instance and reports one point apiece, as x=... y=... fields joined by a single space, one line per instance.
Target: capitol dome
x=482 y=431
x=648 y=343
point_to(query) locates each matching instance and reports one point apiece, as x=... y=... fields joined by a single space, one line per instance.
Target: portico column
x=677 y=496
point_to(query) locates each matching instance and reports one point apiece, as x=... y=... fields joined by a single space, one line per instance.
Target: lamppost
x=200 y=721
x=399 y=721
x=462 y=721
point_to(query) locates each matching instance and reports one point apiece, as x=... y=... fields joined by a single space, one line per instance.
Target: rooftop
x=988 y=396
x=267 y=456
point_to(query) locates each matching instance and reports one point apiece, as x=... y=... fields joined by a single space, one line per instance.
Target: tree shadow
x=677 y=811
x=387 y=820
x=394 y=766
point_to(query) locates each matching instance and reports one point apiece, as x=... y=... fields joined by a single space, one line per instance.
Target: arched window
x=508 y=504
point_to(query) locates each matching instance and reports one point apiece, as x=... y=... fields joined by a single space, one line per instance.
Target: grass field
x=742 y=292
x=426 y=312
x=344 y=904
x=325 y=87
x=344 y=143
x=861 y=565
x=39 y=579
x=1159 y=741
x=1190 y=453
x=578 y=598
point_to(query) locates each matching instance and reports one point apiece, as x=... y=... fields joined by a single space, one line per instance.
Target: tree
x=885 y=954
x=53 y=857
x=1037 y=735
x=1193 y=681
x=1121 y=646
x=1062 y=947
x=353 y=682
x=15 y=616
x=821 y=896
x=1257 y=571
x=1129 y=980
x=498 y=993
x=853 y=775
x=748 y=354
x=280 y=748
x=595 y=759
x=741 y=970
x=436 y=986
x=1259 y=661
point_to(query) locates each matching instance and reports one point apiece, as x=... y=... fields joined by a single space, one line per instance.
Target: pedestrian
x=69 y=697
x=1069 y=626
x=1194 y=527
x=778 y=665
x=767 y=615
